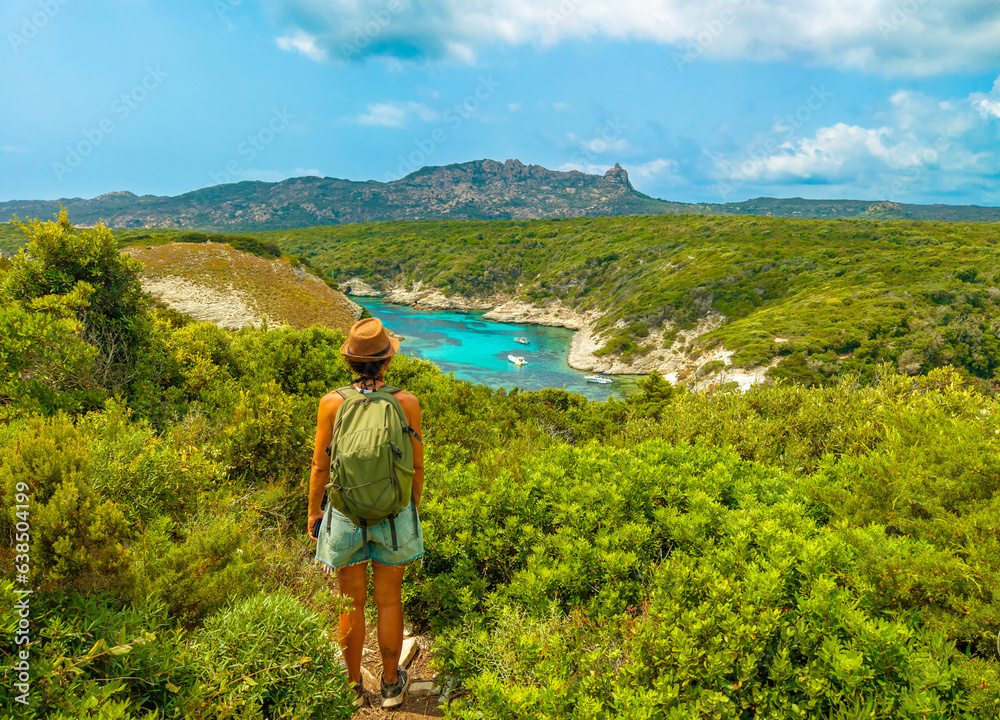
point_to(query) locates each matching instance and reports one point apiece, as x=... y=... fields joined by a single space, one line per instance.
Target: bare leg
x=388 y=581
x=353 y=581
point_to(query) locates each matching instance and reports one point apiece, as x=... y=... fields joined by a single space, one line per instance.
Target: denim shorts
x=341 y=542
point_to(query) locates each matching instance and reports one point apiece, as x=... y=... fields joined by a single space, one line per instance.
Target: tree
x=80 y=272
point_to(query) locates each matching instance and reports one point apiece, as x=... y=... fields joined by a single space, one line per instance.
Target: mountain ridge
x=480 y=189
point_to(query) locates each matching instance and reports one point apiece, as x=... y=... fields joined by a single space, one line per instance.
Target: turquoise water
x=476 y=349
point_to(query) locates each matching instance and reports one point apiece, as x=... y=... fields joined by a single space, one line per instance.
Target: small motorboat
x=522 y=340
x=517 y=359
x=600 y=379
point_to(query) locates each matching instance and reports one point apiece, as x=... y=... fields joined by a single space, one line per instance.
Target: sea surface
x=476 y=350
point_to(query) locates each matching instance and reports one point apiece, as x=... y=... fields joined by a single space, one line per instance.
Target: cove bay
x=476 y=349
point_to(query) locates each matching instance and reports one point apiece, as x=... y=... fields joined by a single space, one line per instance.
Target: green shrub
x=63 y=262
x=204 y=357
x=76 y=538
x=195 y=570
x=301 y=362
x=265 y=657
x=710 y=368
x=91 y=657
x=46 y=367
x=143 y=474
x=269 y=436
x=702 y=587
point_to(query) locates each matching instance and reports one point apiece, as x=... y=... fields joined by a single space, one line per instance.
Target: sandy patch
x=232 y=310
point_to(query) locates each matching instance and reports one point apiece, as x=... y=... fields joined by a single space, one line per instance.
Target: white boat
x=599 y=379
x=517 y=359
x=522 y=340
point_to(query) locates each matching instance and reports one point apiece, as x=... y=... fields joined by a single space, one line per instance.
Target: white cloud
x=827 y=155
x=12 y=149
x=988 y=104
x=919 y=144
x=663 y=170
x=905 y=37
x=513 y=107
x=303 y=43
x=394 y=114
x=561 y=107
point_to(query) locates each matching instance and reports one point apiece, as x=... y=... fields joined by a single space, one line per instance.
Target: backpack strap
x=396 y=404
x=406 y=425
x=347 y=392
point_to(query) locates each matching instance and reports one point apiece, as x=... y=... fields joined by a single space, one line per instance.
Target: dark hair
x=367 y=369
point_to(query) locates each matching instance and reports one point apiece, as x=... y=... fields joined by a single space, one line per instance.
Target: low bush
x=672 y=581
x=193 y=570
x=267 y=657
x=269 y=436
x=143 y=474
x=76 y=537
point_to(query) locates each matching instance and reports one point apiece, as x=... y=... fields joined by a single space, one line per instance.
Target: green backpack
x=371 y=457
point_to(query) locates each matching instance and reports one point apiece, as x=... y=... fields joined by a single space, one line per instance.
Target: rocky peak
x=619 y=174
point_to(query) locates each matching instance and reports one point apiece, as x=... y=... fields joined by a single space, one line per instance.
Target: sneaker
x=393 y=695
x=359 y=694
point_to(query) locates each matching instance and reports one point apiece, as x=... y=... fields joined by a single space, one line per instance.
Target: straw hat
x=369 y=341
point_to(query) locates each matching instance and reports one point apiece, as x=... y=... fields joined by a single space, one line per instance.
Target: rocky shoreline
x=680 y=363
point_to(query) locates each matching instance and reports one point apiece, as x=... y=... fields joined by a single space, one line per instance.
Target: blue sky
x=709 y=100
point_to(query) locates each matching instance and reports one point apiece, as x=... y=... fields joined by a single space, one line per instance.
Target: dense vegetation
x=790 y=552
x=823 y=298
x=827 y=297
x=12 y=239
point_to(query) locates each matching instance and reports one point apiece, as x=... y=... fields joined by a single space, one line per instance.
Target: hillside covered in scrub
x=814 y=298
x=789 y=552
x=215 y=282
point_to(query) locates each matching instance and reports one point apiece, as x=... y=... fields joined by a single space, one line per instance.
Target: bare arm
x=411 y=407
x=320 y=474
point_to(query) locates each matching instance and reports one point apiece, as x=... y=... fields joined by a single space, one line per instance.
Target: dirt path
x=414 y=708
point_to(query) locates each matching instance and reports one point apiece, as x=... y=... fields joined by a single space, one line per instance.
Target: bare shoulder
x=329 y=403
x=408 y=401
